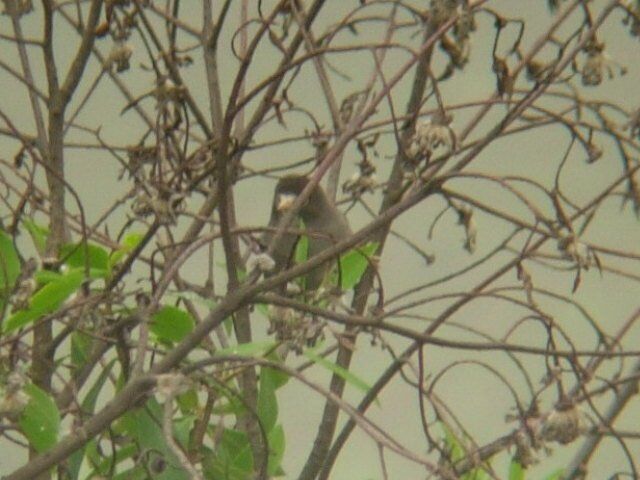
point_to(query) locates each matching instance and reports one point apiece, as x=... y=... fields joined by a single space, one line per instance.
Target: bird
x=323 y=222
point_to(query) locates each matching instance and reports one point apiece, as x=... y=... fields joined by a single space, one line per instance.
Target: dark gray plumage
x=324 y=223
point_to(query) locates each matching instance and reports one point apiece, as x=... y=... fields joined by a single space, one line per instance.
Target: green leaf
x=516 y=472
x=103 y=465
x=457 y=451
x=188 y=401
x=139 y=472
x=476 y=474
x=81 y=344
x=43 y=277
x=241 y=273
x=9 y=267
x=229 y=407
x=182 y=429
x=40 y=419
x=144 y=426
x=276 y=450
x=88 y=406
x=301 y=255
x=227 y=323
x=557 y=475
x=234 y=459
x=38 y=235
x=192 y=297
x=353 y=265
x=348 y=376
x=267 y=401
x=454 y=447
x=9 y=263
x=46 y=300
x=171 y=324
x=129 y=243
x=278 y=377
x=90 y=400
x=302 y=249
x=78 y=256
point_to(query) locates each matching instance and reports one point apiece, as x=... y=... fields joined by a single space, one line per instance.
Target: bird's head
x=288 y=189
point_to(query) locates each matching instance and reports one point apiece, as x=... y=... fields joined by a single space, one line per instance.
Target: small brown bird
x=324 y=223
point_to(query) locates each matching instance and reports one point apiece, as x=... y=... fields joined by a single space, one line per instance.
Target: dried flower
x=13 y=398
x=563 y=425
x=442 y=10
x=293 y=288
x=26 y=286
x=633 y=17
x=465 y=24
x=17 y=8
x=168 y=385
x=139 y=155
x=456 y=46
x=165 y=210
x=574 y=250
x=458 y=51
x=592 y=69
x=293 y=328
x=166 y=90
x=525 y=451
x=359 y=184
x=362 y=181
x=597 y=61
x=320 y=140
x=633 y=125
x=119 y=56
x=20 y=299
x=429 y=136
x=504 y=79
x=347 y=108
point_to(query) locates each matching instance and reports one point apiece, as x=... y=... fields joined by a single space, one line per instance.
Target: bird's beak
x=285 y=200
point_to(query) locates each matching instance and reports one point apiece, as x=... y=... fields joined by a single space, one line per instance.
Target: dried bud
x=466 y=219
x=537 y=71
x=594 y=153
